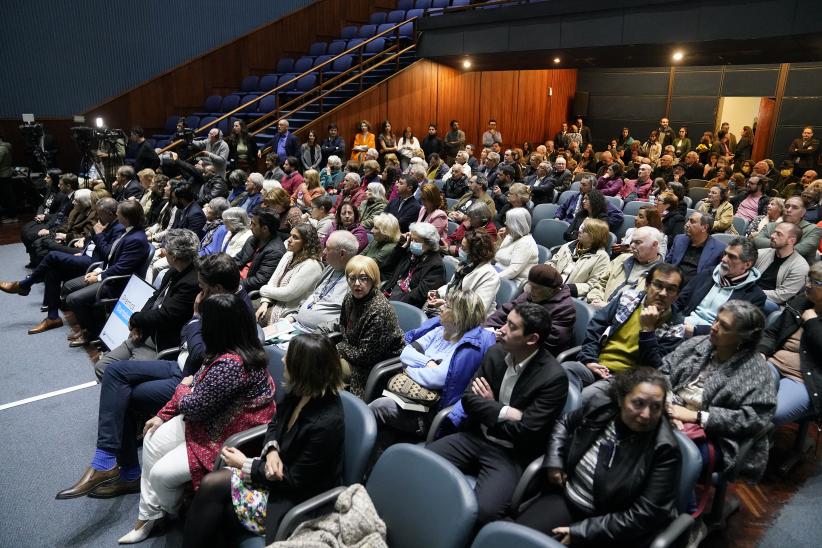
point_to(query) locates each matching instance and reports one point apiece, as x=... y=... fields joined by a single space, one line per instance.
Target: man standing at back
x=508 y=410
x=491 y=135
x=803 y=150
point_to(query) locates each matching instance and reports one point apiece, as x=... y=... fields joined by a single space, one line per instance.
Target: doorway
x=755 y=112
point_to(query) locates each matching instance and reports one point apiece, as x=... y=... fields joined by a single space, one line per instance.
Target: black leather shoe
x=115 y=488
x=90 y=479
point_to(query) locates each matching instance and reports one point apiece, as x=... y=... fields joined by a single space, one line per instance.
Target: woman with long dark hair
x=594 y=206
x=231 y=392
x=301 y=456
x=242 y=149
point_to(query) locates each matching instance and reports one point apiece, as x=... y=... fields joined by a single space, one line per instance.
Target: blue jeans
x=792 y=400
x=142 y=386
x=770 y=306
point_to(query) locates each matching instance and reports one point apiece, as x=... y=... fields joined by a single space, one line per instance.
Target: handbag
x=403 y=385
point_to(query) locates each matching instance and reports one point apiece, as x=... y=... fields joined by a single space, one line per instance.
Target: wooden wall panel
x=428 y=91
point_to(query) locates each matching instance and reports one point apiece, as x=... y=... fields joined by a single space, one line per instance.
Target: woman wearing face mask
x=418 y=269
x=717 y=204
x=612 y=467
x=386 y=233
x=373 y=205
x=475 y=273
x=348 y=218
x=296 y=275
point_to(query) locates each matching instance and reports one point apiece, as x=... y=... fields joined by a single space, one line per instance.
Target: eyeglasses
x=664 y=287
x=362 y=278
x=813 y=283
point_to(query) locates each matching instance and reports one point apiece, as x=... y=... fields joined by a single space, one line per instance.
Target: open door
x=764 y=128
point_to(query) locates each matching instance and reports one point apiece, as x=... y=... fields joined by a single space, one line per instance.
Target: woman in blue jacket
x=441 y=355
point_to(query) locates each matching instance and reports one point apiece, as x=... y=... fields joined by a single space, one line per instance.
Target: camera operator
x=8 y=202
x=205 y=182
x=144 y=157
x=213 y=150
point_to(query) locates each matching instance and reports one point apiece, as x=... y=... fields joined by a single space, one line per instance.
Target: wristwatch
x=699 y=416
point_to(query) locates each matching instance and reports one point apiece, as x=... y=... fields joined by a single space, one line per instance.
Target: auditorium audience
x=385 y=233
x=773 y=214
x=320 y=216
x=517 y=251
x=405 y=206
x=308 y=190
x=627 y=270
x=347 y=218
x=441 y=356
x=477 y=187
x=238 y=230
x=262 y=252
x=716 y=204
x=242 y=148
x=633 y=498
x=362 y=142
x=332 y=174
x=417 y=268
x=78 y=223
x=301 y=455
x=610 y=183
x=783 y=269
x=519 y=196
x=475 y=273
x=294 y=279
x=433 y=209
x=696 y=251
x=279 y=201
x=507 y=411
x=584 y=262
x=673 y=214
x=594 y=206
x=373 y=205
x=794 y=213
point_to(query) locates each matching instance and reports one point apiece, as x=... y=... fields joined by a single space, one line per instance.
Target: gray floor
x=46 y=445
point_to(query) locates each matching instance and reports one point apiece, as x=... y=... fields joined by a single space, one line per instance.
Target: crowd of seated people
x=678 y=334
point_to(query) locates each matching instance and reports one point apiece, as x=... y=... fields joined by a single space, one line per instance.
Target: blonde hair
x=468 y=310
x=388 y=225
x=277 y=196
x=312 y=178
x=147 y=172
x=367 y=265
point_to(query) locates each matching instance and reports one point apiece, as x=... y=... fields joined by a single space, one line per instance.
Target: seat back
x=633 y=207
x=543 y=211
x=585 y=313
x=696 y=191
x=349 y=32
x=615 y=201
x=724 y=238
x=689 y=472
x=507 y=291
x=414 y=13
x=377 y=18
x=574 y=399
x=410 y=317
x=628 y=221
x=286 y=64
x=250 y=83
x=157 y=283
x=360 y=435
x=740 y=225
x=342 y=64
x=268 y=82
x=549 y=232
x=317 y=48
x=452 y=227
x=423 y=499
x=375 y=46
x=337 y=46
x=193 y=122
x=230 y=102
x=147 y=263
x=303 y=64
x=267 y=103
x=320 y=59
x=543 y=252
x=502 y=533
x=564 y=196
x=450 y=266
x=367 y=31
x=171 y=123
x=306 y=82
x=395 y=16
x=277 y=368
x=422 y=4
x=212 y=103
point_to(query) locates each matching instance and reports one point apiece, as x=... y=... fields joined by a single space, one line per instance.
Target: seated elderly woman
x=301 y=454
x=597 y=494
x=368 y=324
x=773 y=214
x=518 y=251
x=332 y=174
x=295 y=278
x=280 y=201
x=722 y=385
x=475 y=273
x=386 y=233
x=584 y=263
x=792 y=346
x=417 y=266
x=519 y=196
x=231 y=392
x=718 y=206
x=238 y=230
x=373 y=205
x=442 y=356
x=479 y=215
x=433 y=209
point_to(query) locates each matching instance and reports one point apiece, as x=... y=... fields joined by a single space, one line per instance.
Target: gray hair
x=257 y=179
x=236 y=218
x=493 y=156
x=457 y=167
x=429 y=234
x=83 y=197
x=481 y=211
x=377 y=190
x=749 y=251
x=346 y=241
x=547 y=167
x=218 y=205
x=518 y=222
x=749 y=323
x=706 y=220
x=107 y=205
x=463 y=155
x=372 y=153
x=352 y=176
x=588 y=177
x=334 y=161
x=417 y=170
x=126 y=171
x=182 y=243
x=651 y=232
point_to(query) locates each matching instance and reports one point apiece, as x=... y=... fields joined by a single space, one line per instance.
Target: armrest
x=109 y=280
x=92 y=266
x=379 y=377
x=568 y=354
x=169 y=353
x=303 y=511
x=745 y=448
x=334 y=336
x=681 y=525
x=525 y=484
x=241 y=438
x=436 y=423
x=254 y=294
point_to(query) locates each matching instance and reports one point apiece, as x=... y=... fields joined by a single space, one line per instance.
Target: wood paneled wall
x=426 y=91
x=183 y=89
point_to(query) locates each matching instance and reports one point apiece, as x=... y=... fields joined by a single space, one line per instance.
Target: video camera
x=185 y=134
x=32 y=134
x=90 y=139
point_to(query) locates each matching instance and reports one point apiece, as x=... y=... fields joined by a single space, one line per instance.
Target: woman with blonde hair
x=385 y=232
x=433 y=209
x=146 y=177
x=296 y=275
x=309 y=189
x=373 y=205
x=584 y=263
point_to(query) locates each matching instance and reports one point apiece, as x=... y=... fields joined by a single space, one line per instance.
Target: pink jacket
x=438 y=218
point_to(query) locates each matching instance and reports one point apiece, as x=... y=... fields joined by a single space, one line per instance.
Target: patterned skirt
x=249 y=504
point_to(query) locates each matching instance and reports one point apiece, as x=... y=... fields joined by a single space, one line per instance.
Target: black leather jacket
x=635 y=490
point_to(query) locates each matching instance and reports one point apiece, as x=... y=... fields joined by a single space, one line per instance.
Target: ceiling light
x=678 y=56
x=556 y=60
x=466 y=64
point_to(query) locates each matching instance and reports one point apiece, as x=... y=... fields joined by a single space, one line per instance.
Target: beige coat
x=589 y=272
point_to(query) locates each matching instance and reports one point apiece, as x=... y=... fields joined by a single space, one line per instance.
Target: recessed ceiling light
x=678 y=56
x=556 y=60
x=466 y=64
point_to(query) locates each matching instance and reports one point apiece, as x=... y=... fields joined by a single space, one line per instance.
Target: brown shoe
x=14 y=288
x=74 y=335
x=115 y=488
x=82 y=341
x=91 y=478
x=46 y=325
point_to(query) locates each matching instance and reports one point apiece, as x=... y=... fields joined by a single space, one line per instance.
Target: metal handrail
x=280 y=87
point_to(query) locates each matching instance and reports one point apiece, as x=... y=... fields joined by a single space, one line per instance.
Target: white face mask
x=463 y=256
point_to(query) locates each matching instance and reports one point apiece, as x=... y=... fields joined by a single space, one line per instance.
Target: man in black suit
x=262 y=251
x=189 y=212
x=803 y=151
x=144 y=157
x=405 y=207
x=510 y=408
x=126 y=185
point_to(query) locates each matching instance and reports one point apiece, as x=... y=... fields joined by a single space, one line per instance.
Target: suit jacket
x=540 y=393
x=133 y=189
x=192 y=218
x=104 y=240
x=804 y=152
x=263 y=262
x=311 y=453
x=145 y=158
x=164 y=323
x=407 y=215
x=127 y=256
x=292 y=145
x=711 y=252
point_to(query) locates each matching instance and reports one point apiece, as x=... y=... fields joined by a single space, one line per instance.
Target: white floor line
x=48 y=395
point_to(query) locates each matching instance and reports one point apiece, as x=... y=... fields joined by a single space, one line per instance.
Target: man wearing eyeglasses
x=637 y=328
x=794 y=213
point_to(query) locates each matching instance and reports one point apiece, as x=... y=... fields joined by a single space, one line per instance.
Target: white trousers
x=165 y=470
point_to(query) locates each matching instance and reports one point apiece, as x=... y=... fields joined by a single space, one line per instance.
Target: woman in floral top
x=231 y=392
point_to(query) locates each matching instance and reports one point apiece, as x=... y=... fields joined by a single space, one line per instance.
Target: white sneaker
x=141 y=531
x=698 y=533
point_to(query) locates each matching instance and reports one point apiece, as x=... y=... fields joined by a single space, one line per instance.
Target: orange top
x=359 y=141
